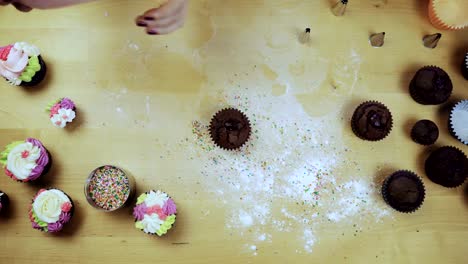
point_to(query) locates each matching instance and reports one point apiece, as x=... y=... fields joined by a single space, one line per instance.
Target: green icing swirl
x=8 y=148
x=31 y=69
x=51 y=104
x=166 y=225
x=141 y=198
x=38 y=221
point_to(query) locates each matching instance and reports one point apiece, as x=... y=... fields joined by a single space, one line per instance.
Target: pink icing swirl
x=35 y=225
x=64 y=217
x=42 y=162
x=54 y=227
x=14 y=65
x=169 y=207
x=139 y=211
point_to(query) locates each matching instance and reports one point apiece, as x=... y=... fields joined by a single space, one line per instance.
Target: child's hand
x=164 y=19
x=16 y=4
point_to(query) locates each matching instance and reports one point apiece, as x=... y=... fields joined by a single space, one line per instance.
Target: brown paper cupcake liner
x=438 y=22
x=446 y=168
x=213 y=132
x=456 y=125
x=355 y=128
x=414 y=92
x=401 y=206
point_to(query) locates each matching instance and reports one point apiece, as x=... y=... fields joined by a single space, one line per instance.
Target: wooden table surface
x=138 y=96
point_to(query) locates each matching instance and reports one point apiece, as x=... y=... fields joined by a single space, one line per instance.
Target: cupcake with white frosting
x=50 y=210
x=26 y=161
x=154 y=213
x=21 y=64
x=61 y=112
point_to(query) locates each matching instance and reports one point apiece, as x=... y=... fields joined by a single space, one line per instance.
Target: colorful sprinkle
x=109 y=188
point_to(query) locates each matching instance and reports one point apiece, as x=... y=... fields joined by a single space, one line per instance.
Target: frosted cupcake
x=61 y=112
x=449 y=14
x=50 y=210
x=3 y=201
x=26 y=161
x=459 y=121
x=155 y=213
x=21 y=64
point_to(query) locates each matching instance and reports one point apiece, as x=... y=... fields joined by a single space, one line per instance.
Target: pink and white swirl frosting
x=14 y=59
x=50 y=210
x=155 y=212
x=62 y=112
x=27 y=161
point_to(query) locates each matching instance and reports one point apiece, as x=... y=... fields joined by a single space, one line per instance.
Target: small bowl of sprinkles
x=109 y=188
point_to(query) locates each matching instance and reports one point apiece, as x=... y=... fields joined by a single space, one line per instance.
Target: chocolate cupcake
x=431 y=86
x=155 y=213
x=464 y=66
x=403 y=191
x=447 y=166
x=22 y=64
x=26 y=161
x=425 y=132
x=458 y=121
x=50 y=210
x=61 y=112
x=230 y=129
x=372 y=121
x=4 y=201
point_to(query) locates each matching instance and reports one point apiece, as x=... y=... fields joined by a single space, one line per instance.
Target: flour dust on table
x=287 y=177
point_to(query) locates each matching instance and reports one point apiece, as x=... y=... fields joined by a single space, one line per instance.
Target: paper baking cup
x=459 y=121
x=449 y=14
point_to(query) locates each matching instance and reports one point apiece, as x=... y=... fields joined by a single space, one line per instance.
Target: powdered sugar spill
x=289 y=177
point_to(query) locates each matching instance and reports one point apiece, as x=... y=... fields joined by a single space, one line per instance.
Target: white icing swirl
x=48 y=205
x=22 y=160
x=151 y=223
x=62 y=117
x=29 y=49
x=156 y=198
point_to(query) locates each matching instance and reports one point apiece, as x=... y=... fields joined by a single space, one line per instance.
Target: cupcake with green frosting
x=154 y=213
x=21 y=64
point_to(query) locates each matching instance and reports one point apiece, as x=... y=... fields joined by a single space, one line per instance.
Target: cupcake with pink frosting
x=154 y=213
x=61 y=112
x=50 y=210
x=26 y=161
x=21 y=64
